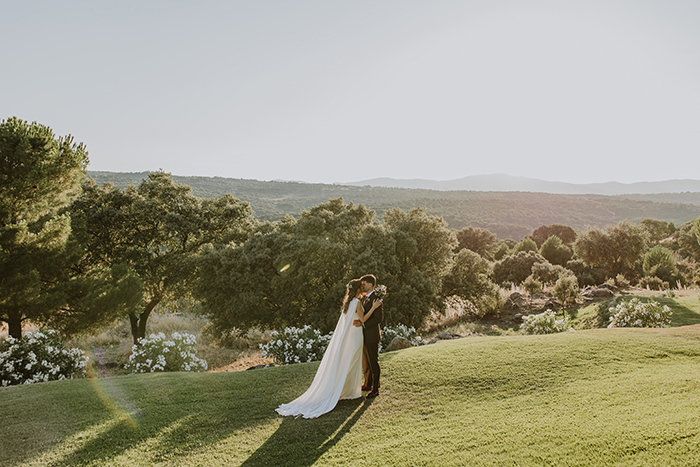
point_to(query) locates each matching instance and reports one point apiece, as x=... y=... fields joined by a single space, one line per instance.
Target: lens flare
x=110 y=395
x=285 y=267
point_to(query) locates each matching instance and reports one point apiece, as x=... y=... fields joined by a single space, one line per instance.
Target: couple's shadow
x=301 y=442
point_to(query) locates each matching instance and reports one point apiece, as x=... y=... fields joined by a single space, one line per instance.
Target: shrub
x=566 y=289
x=532 y=285
x=638 y=314
x=39 y=356
x=296 y=345
x=653 y=283
x=544 y=323
x=548 y=273
x=660 y=262
x=602 y=315
x=155 y=353
x=389 y=333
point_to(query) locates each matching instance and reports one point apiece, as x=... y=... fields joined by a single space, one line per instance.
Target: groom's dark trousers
x=372 y=336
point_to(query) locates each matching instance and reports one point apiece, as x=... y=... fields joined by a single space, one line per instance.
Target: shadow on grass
x=302 y=442
x=162 y=417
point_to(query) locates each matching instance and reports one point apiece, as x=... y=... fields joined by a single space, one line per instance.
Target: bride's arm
x=375 y=305
x=360 y=311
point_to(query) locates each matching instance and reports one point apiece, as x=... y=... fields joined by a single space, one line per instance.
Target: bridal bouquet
x=380 y=291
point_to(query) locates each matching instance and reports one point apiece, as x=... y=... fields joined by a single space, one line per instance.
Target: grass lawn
x=592 y=397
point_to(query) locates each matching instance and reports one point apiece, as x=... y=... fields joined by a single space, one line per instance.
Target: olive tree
x=157 y=230
x=468 y=278
x=480 y=241
x=615 y=249
x=288 y=273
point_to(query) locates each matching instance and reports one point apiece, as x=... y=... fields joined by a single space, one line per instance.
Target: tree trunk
x=138 y=323
x=15 y=324
x=134 y=321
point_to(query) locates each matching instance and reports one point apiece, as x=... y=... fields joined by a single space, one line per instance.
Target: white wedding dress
x=340 y=374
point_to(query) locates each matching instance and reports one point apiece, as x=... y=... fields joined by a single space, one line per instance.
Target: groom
x=371 y=334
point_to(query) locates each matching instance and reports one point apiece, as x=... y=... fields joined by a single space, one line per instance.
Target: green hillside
x=507 y=214
x=597 y=397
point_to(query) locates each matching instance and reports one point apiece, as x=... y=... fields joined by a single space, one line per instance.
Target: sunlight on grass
x=589 y=397
x=74 y=443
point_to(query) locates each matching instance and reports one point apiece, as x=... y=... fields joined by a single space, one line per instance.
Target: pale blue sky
x=331 y=91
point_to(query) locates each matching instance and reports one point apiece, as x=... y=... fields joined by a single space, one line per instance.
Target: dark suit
x=372 y=335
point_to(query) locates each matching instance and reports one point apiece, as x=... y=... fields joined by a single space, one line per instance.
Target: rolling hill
x=511 y=214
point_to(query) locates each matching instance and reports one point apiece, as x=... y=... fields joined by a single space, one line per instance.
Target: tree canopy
x=39 y=176
x=293 y=272
x=615 y=249
x=157 y=230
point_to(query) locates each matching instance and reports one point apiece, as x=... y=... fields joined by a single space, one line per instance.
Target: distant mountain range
x=504 y=182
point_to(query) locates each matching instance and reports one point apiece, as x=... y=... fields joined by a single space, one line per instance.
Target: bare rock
x=515 y=301
x=444 y=336
x=257 y=367
x=398 y=343
x=599 y=292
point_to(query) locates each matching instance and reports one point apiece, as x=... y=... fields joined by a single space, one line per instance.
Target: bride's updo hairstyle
x=350 y=292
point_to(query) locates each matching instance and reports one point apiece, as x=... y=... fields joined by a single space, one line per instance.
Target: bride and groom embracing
x=353 y=348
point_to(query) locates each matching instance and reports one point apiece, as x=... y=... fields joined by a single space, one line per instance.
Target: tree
x=502 y=251
x=293 y=272
x=555 y=251
x=615 y=249
x=516 y=268
x=157 y=229
x=543 y=232
x=478 y=240
x=288 y=273
x=657 y=230
x=525 y=245
x=469 y=279
x=686 y=240
x=39 y=175
x=548 y=273
x=410 y=254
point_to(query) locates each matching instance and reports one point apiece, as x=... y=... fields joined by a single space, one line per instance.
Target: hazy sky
x=338 y=91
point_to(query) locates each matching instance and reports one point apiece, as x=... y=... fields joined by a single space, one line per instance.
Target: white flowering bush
x=157 y=353
x=638 y=314
x=400 y=330
x=296 y=345
x=37 y=357
x=544 y=323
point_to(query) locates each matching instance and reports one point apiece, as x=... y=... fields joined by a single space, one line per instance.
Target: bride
x=339 y=375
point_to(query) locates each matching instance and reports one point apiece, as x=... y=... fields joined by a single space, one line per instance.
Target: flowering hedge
x=638 y=314
x=296 y=345
x=544 y=323
x=299 y=345
x=179 y=353
x=39 y=356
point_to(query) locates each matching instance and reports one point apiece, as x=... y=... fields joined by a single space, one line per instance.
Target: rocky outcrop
x=598 y=292
x=515 y=301
x=398 y=343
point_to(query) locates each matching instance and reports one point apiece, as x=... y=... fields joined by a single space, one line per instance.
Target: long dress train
x=339 y=376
